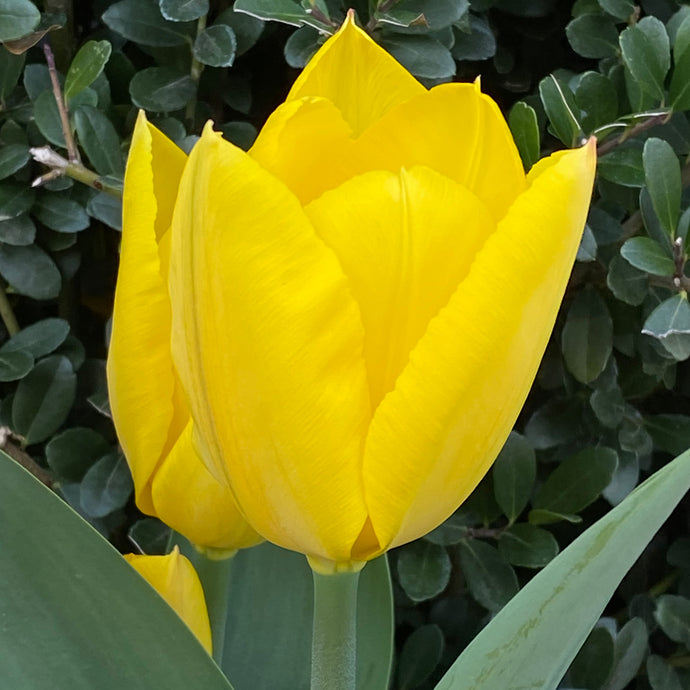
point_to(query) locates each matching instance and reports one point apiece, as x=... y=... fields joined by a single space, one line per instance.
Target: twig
x=7 y=314
x=72 y=151
x=74 y=169
x=7 y=438
x=659 y=119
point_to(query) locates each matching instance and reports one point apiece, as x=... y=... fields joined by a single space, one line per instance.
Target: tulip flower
x=148 y=406
x=360 y=303
x=175 y=579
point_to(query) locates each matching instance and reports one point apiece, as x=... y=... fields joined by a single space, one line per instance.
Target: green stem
x=7 y=314
x=334 y=650
x=214 y=573
x=195 y=71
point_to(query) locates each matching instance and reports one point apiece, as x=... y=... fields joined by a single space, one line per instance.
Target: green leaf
x=40 y=338
x=646 y=254
x=527 y=546
x=661 y=675
x=597 y=99
x=646 y=54
x=15 y=199
x=592 y=36
x=662 y=174
x=419 y=656
x=630 y=649
x=19 y=231
x=679 y=90
x=216 y=46
x=15 y=365
x=478 y=44
x=183 y=10
x=514 y=473
x=670 y=324
x=587 y=338
x=47 y=118
x=17 y=18
x=524 y=127
x=10 y=70
x=561 y=109
x=44 y=559
x=60 y=214
x=621 y=9
x=608 y=405
x=623 y=166
x=627 y=283
x=106 y=486
x=150 y=536
x=44 y=398
x=592 y=665
x=673 y=616
x=423 y=570
x=284 y=11
x=542 y=516
x=71 y=453
x=247 y=29
x=140 y=21
x=578 y=481
x=161 y=89
x=490 y=579
x=556 y=610
x=421 y=54
x=670 y=432
x=30 y=271
x=87 y=64
x=241 y=134
x=13 y=157
x=270 y=621
x=424 y=15
x=100 y=141
x=107 y=209
x=301 y=46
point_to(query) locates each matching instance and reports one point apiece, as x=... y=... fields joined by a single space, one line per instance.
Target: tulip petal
x=457 y=131
x=175 y=579
x=357 y=75
x=435 y=436
x=268 y=343
x=405 y=241
x=188 y=498
x=141 y=378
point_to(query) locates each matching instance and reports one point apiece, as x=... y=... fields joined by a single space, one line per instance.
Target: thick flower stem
x=333 y=654
x=214 y=574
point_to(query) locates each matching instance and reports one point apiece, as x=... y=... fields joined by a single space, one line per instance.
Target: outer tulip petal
x=140 y=369
x=268 y=342
x=306 y=144
x=434 y=437
x=465 y=137
x=188 y=498
x=175 y=579
x=405 y=242
x=358 y=76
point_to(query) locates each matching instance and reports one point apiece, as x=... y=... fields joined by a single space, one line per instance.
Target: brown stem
x=7 y=438
x=7 y=314
x=633 y=131
x=72 y=151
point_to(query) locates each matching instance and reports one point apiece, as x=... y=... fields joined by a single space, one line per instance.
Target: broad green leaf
x=577 y=481
x=527 y=546
x=47 y=118
x=10 y=70
x=670 y=324
x=268 y=634
x=421 y=54
x=531 y=642
x=17 y=18
x=87 y=64
x=670 y=432
x=646 y=53
x=544 y=516
x=284 y=11
x=514 y=473
x=419 y=656
x=150 y=536
x=106 y=486
x=216 y=46
x=15 y=199
x=64 y=576
x=140 y=21
x=587 y=337
x=435 y=14
x=13 y=157
x=673 y=615
x=524 y=127
x=100 y=141
x=621 y=9
x=423 y=570
x=679 y=90
x=301 y=46
x=241 y=134
x=490 y=578
x=451 y=531
x=608 y=404
x=71 y=453
x=107 y=209
x=597 y=99
x=662 y=174
x=161 y=89
x=60 y=214
x=554 y=423
x=15 y=365
x=247 y=29
x=478 y=44
x=561 y=109
x=587 y=251
x=592 y=36
x=630 y=649
x=661 y=675
x=652 y=223
x=40 y=338
x=30 y=271
x=592 y=665
x=623 y=166
x=648 y=255
x=183 y=10
x=19 y=231
x=627 y=283
x=44 y=398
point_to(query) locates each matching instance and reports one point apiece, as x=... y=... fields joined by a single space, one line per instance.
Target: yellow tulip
x=361 y=302
x=175 y=579
x=148 y=406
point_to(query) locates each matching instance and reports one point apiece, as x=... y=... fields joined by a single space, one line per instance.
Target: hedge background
x=610 y=404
